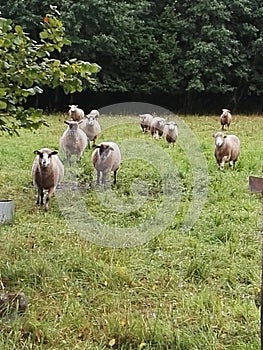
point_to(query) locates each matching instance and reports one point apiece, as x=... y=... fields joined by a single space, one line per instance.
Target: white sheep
x=91 y=127
x=75 y=113
x=157 y=126
x=105 y=158
x=170 y=132
x=47 y=173
x=145 y=120
x=73 y=141
x=227 y=149
x=225 y=118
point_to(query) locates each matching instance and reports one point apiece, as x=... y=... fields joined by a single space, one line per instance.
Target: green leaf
x=3 y=104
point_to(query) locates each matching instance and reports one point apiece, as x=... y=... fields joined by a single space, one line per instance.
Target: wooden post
x=256 y=186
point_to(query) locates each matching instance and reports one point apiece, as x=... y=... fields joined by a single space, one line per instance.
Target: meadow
x=169 y=259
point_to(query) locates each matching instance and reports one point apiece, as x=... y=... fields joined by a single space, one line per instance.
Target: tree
x=26 y=66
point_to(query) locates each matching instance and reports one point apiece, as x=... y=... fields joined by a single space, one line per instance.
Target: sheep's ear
x=66 y=122
x=53 y=153
x=95 y=146
x=36 y=152
x=112 y=149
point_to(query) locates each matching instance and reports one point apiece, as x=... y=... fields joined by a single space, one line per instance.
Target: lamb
x=145 y=120
x=157 y=126
x=227 y=149
x=91 y=127
x=47 y=173
x=105 y=158
x=170 y=132
x=75 y=113
x=225 y=118
x=73 y=141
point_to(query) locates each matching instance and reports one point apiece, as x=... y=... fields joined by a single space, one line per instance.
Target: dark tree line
x=196 y=54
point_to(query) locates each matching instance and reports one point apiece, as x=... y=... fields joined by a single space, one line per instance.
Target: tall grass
x=180 y=289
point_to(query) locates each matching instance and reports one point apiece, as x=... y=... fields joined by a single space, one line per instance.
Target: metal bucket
x=6 y=211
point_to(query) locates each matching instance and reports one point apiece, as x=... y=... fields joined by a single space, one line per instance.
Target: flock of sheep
x=48 y=170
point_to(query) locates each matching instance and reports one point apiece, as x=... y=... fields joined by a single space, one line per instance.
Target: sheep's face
x=73 y=108
x=142 y=118
x=104 y=150
x=45 y=157
x=161 y=122
x=72 y=125
x=90 y=119
x=171 y=126
x=225 y=113
x=219 y=139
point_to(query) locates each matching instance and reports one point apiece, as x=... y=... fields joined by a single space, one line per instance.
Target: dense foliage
x=178 y=47
x=27 y=65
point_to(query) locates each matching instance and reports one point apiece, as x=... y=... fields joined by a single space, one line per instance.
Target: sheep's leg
x=49 y=194
x=156 y=135
x=68 y=159
x=94 y=141
x=79 y=155
x=98 y=177
x=232 y=164
x=40 y=196
x=88 y=145
x=115 y=177
x=103 y=180
x=222 y=164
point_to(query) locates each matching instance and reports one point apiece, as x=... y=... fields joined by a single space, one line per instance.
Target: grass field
x=169 y=259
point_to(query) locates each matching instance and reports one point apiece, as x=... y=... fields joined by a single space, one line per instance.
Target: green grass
x=172 y=287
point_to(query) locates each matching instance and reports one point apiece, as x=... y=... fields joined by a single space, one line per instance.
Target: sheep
x=91 y=127
x=73 y=141
x=106 y=157
x=75 y=113
x=145 y=120
x=95 y=113
x=157 y=126
x=225 y=118
x=227 y=149
x=170 y=132
x=47 y=173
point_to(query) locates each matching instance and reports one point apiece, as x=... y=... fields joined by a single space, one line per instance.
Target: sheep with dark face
x=106 y=158
x=145 y=120
x=170 y=132
x=47 y=173
x=91 y=127
x=73 y=141
x=75 y=113
x=226 y=149
x=225 y=118
x=157 y=126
